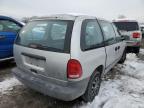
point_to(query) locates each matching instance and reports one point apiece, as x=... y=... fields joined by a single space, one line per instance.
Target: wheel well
x=99 y=68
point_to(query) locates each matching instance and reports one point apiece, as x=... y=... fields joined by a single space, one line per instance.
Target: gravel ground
x=20 y=96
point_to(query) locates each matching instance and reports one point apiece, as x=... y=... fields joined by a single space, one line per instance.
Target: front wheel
x=93 y=87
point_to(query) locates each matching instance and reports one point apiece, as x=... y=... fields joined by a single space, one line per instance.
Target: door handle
x=118 y=47
x=2 y=37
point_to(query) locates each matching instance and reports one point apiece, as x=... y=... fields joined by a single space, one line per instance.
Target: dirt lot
x=20 y=96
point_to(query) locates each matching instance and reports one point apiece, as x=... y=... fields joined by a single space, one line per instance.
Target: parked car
x=9 y=28
x=70 y=56
x=132 y=32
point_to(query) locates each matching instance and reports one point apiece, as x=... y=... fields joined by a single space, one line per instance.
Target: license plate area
x=34 y=62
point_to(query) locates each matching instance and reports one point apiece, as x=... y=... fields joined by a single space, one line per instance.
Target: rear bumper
x=133 y=44
x=133 y=49
x=68 y=92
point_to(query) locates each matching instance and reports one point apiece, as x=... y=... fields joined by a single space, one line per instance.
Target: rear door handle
x=2 y=37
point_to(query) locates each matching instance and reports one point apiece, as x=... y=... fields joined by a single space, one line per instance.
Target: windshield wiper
x=42 y=47
x=35 y=45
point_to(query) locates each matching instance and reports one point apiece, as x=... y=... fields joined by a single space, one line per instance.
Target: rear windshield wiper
x=42 y=47
x=35 y=45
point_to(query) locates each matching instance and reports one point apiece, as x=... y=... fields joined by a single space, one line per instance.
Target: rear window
x=127 y=26
x=51 y=35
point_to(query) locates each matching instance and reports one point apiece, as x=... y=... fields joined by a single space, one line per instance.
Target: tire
x=93 y=87
x=123 y=58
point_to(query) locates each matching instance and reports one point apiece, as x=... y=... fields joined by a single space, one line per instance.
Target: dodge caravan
x=65 y=56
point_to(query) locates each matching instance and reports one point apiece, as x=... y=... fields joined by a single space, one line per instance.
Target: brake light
x=136 y=35
x=74 y=69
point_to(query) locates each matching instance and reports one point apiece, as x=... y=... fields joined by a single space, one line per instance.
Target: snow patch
x=125 y=91
x=8 y=85
x=142 y=51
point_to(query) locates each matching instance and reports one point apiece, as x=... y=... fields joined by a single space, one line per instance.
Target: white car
x=132 y=32
x=69 y=58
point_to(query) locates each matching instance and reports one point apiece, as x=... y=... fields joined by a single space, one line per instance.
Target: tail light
x=136 y=35
x=74 y=69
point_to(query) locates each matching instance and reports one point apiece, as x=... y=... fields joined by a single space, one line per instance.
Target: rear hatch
x=129 y=29
x=43 y=47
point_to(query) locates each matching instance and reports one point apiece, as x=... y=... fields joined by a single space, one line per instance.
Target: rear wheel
x=93 y=87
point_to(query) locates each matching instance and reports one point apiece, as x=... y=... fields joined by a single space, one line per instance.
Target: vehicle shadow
x=7 y=64
x=5 y=67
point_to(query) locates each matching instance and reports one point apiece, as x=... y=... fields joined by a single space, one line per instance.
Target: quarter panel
x=89 y=60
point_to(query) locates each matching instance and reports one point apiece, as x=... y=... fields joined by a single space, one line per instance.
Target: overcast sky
x=108 y=9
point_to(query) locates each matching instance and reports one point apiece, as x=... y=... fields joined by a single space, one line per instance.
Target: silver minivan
x=64 y=56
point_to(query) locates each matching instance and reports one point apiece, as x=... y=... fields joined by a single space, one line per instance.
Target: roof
x=12 y=19
x=5 y=17
x=66 y=17
x=125 y=20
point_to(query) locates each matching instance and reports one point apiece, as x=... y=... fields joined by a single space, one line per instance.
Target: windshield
x=52 y=35
x=127 y=26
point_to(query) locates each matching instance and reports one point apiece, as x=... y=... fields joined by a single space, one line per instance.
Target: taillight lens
x=74 y=69
x=136 y=35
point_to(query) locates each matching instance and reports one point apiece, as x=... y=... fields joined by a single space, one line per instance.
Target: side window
x=91 y=35
x=118 y=35
x=109 y=33
x=9 y=26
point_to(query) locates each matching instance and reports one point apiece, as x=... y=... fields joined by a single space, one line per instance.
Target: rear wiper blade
x=42 y=47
